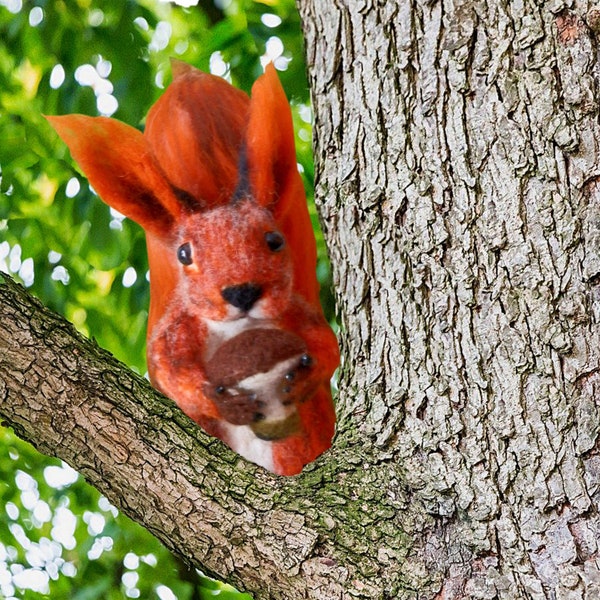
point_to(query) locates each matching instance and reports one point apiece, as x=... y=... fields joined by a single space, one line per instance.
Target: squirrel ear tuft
x=180 y=68
x=195 y=131
x=119 y=166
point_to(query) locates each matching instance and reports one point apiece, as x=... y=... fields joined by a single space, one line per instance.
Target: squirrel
x=236 y=332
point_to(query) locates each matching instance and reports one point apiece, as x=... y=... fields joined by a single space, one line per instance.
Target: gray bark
x=458 y=157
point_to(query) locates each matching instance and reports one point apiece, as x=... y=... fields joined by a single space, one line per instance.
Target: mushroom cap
x=250 y=352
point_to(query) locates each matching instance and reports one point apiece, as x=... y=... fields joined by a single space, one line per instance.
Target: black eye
x=184 y=254
x=274 y=240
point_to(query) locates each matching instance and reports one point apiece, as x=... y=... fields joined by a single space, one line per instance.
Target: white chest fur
x=242 y=440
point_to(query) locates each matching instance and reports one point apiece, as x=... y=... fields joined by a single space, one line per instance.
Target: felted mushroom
x=251 y=380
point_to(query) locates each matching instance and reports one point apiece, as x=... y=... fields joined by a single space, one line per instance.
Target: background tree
x=458 y=159
x=457 y=145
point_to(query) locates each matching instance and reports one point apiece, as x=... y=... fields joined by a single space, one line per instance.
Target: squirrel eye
x=184 y=254
x=274 y=240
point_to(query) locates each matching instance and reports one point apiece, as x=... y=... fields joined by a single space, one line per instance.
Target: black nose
x=242 y=296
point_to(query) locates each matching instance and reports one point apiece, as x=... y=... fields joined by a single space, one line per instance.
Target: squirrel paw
x=298 y=383
x=236 y=407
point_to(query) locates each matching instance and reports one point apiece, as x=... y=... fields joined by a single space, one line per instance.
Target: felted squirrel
x=236 y=333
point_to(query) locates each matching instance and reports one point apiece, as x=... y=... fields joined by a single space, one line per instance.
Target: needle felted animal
x=236 y=333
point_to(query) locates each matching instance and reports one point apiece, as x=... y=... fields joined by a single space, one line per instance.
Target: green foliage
x=87 y=262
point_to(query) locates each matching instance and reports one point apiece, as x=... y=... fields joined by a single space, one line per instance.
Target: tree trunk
x=458 y=160
x=457 y=146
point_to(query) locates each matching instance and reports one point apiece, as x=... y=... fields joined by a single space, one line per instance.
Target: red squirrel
x=236 y=333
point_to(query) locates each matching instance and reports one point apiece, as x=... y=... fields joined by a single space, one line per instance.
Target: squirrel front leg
x=176 y=349
x=316 y=366
x=238 y=407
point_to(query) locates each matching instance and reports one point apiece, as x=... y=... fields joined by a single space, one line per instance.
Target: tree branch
x=301 y=537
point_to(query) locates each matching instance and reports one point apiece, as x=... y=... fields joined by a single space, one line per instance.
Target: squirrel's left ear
x=269 y=143
x=273 y=177
x=118 y=163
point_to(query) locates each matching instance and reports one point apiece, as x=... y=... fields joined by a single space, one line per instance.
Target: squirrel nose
x=242 y=296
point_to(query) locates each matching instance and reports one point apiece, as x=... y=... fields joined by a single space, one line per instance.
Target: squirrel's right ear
x=118 y=164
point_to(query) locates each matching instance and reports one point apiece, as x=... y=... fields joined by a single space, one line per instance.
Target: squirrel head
x=233 y=261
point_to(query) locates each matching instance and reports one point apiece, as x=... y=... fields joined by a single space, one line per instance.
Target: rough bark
x=457 y=150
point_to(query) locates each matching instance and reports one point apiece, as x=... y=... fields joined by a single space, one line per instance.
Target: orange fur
x=213 y=181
